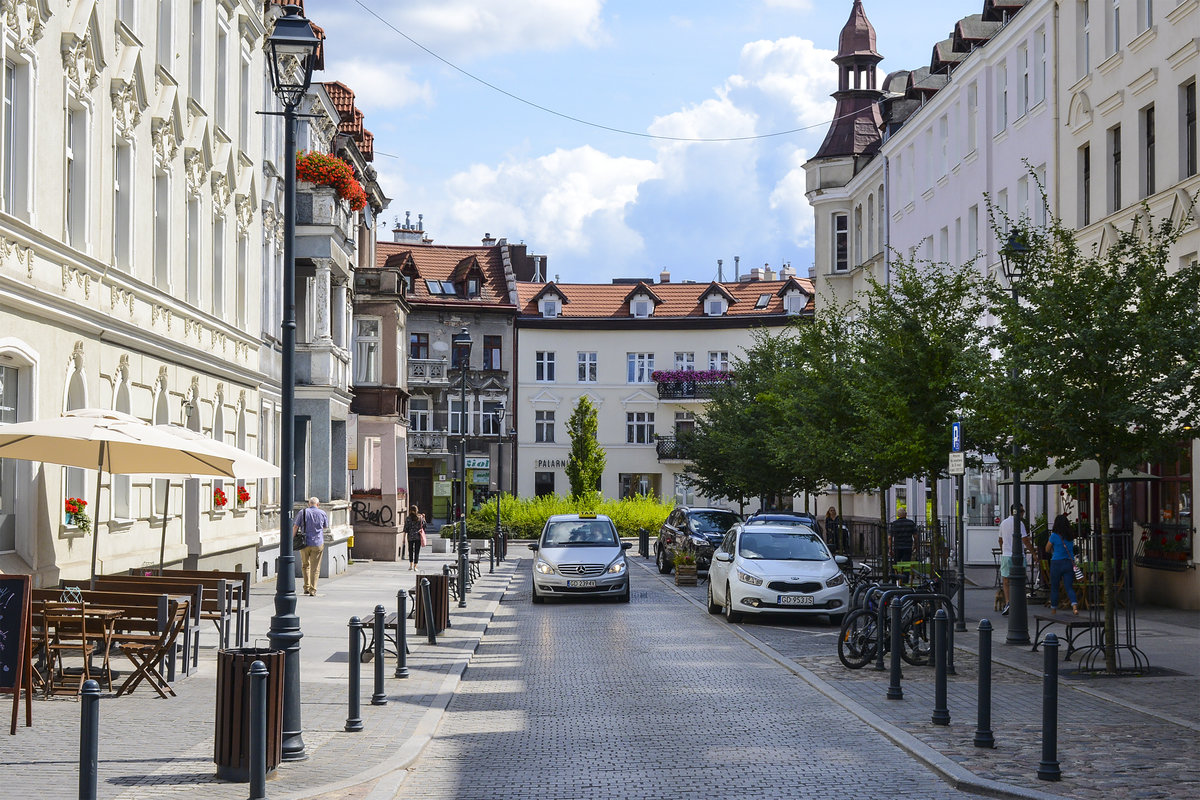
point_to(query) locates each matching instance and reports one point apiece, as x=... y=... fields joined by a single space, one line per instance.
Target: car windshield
x=579 y=532
x=712 y=521
x=782 y=546
x=794 y=522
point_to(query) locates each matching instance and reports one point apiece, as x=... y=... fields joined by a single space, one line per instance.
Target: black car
x=697 y=531
x=784 y=518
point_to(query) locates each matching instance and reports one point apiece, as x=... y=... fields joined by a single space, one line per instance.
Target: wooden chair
x=66 y=636
x=147 y=657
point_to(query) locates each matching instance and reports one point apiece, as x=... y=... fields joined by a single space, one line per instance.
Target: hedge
x=525 y=517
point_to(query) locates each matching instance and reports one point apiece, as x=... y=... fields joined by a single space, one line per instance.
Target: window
x=1114 y=27
x=1145 y=14
x=472 y=287
x=972 y=231
x=418 y=345
x=196 y=53
x=1039 y=66
x=1187 y=160
x=640 y=366
x=122 y=203
x=1148 y=166
x=543 y=426
x=762 y=302
x=76 y=171
x=795 y=302
x=718 y=360
x=1023 y=80
x=1023 y=197
x=243 y=275
x=972 y=117
x=9 y=399
x=419 y=416
x=685 y=361
x=543 y=484
x=841 y=255
x=633 y=484
x=549 y=308
x=162 y=231
x=858 y=222
x=715 y=306
x=640 y=308
x=486 y=418
x=1114 y=175
x=218 y=268
x=243 y=111
x=544 y=367
x=192 y=282
x=456 y=417
x=1084 y=54
x=944 y=147
x=15 y=156
x=1085 y=185
x=1001 y=97
x=367 y=350
x=221 y=95
x=166 y=34
x=491 y=352
x=125 y=12
x=639 y=427
x=944 y=244
x=587 y=367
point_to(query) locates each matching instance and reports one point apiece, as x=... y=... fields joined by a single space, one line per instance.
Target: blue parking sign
x=956 y=437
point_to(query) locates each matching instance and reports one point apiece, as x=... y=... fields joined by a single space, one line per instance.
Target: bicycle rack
x=880 y=622
x=945 y=602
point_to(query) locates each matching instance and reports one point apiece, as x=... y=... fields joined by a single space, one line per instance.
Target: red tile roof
x=441 y=263
x=351 y=119
x=611 y=300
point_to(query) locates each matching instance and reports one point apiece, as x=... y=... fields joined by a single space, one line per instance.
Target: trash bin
x=231 y=739
x=439 y=598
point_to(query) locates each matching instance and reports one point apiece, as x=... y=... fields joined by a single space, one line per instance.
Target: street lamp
x=292 y=40
x=499 y=414
x=461 y=344
x=1013 y=257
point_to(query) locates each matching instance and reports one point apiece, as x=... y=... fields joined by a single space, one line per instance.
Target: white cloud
x=792 y=5
x=788 y=199
x=569 y=201
x=792 y=73
x=379 y=86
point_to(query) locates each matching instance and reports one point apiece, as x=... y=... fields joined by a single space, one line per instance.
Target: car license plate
x=581 y=584
x=795 y=599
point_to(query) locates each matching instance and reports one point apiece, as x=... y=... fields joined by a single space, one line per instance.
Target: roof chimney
x=488 y=241
x=412 y=234
x=737 y=274
x=787 y=271
x=664 y=277
x=537 y=270
x=768 y=273
x=720 y=272
x=756 y=273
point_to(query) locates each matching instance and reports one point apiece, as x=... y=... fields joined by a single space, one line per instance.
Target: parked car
x=580 y=555
x=783 y=518
x=692 y=530
x=776 y=568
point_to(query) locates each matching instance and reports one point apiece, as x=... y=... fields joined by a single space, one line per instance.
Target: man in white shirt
x=1006 y=542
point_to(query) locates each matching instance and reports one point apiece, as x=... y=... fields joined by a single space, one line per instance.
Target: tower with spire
x=855 y=130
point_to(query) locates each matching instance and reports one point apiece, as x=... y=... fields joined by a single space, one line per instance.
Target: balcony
x=429 y=442
x=670 y=449
x=428 y=372
x=688 y=390
x=378 y=401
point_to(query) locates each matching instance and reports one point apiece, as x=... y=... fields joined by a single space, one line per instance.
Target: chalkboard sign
x=16 y=643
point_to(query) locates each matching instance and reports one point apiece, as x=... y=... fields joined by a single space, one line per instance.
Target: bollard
x=895 y=692
x=379 y=696
x=643 y=543
x=89 y=738
x=1048 y=768
x=401 y=634
x=258 y=731
x=428 y=603
x=354 y=721
x=464 y=569
x=983 y=714
x=941 y=643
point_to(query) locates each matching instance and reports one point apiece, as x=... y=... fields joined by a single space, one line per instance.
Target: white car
x=783 y=569
x=580 y=555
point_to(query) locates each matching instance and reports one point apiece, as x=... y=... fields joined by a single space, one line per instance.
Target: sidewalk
x=153 y=748
x=1117 y=736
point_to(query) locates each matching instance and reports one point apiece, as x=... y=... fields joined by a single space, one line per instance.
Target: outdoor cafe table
x=103 y=620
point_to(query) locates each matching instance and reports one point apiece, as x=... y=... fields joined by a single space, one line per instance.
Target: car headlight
x=836 y=580
x=543 y=567
x=746 y=577
x=700 y=541
x=617 y=567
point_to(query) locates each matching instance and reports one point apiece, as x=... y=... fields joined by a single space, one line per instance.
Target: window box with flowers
x=1165 y=546
x=220 y=500
x=322 y=169
x=686 y=384
x=75 y=510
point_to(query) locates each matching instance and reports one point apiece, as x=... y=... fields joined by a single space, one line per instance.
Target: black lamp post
x=499 y=479
x=461 y=342
x=1012 y=260
x=292 y=39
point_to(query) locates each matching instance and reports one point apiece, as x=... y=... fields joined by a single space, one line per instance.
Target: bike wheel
x=858 y=639
x=916 y=637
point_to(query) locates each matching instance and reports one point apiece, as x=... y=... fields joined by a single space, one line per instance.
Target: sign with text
x=958 y=464
x=956 y=437
x=441 y=488
x=479 y=462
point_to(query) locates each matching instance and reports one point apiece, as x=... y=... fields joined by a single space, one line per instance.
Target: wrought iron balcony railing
x=688 y=390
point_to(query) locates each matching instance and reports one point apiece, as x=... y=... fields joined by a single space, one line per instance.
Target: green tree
x=586 y=464
x=1107 y=352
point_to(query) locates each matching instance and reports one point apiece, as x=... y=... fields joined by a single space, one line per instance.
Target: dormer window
x=715 y=306
x=549 y=308
x=641 y=307
x=795 y=302
x=472 y=287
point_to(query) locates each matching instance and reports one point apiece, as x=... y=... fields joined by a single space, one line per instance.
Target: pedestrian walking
x=835 y=532
x=901 y=534
x=1062 y=562
x=311 y=523
x=1006 y=552
x=414 y=532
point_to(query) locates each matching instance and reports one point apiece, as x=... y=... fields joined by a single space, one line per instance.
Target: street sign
x=956 y=437
x=479 y=462
x=958 y=464
x=441 y=488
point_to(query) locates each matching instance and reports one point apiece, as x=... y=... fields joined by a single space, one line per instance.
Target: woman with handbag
x=1062 y=562
x=414 y=532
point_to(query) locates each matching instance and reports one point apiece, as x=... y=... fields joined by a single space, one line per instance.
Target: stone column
x=340 y=320
x=321 y=308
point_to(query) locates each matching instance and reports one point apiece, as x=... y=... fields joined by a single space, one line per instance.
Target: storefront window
x=980 y=490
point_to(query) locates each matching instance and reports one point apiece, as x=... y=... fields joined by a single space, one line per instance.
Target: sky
x=497 y=153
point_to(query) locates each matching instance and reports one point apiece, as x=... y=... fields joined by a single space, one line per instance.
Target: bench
x=389 y=634
x=233 y=592
x=1075 y=627
x=197 y=601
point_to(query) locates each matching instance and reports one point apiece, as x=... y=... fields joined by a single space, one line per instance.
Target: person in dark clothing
x=901 y=534
x=835 y=532
x=414 y=532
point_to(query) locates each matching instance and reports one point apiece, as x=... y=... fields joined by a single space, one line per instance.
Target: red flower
x=327 y=170
x=219 y=498
x=243 y=495
x=1179 y=537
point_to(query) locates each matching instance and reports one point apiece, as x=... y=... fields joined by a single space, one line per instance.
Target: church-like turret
x=855 y=127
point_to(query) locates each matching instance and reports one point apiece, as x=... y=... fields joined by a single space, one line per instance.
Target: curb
x=956 y=776
x=390 y=773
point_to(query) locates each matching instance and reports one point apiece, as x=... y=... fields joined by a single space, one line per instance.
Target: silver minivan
x=580 y=555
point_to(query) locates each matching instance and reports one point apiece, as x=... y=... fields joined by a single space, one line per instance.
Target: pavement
x=1123 y=736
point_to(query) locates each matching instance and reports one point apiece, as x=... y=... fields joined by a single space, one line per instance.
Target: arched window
x=75 y=479
x=241 y=442
x=162 y=416
x=218 y=433
x=122 y=485
x=871 y=250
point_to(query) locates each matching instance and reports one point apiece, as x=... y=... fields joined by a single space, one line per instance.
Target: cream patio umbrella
x=112 y=442
x=244 y=467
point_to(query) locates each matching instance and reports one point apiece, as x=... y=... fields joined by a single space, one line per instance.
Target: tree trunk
x=1109 y=560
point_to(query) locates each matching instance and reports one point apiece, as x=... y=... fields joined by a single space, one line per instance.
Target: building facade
x=647 y=355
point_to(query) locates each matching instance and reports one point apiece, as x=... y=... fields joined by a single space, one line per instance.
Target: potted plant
x=220 y=500
x=685 y=569
x=243 y=496
x=76 y=515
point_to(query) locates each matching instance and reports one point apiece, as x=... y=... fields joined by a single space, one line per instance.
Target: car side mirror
x=722 y=556
x=841 y=561
x=626 y=545
x=533 y=546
